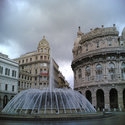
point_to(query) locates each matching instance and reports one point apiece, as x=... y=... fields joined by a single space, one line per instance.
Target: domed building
x=34 y=69
x=99 y=67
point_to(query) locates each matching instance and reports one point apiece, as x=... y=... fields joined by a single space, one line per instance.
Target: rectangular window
x=41 y=57
x=1 y=70
x=36 y=71
x=13 y=88
x=7 y=71
x=97 y=44
x=109 y=42
x=22 y=61
x=86 y=47
x=6 y=87
x=26 y=60
x=13 y=73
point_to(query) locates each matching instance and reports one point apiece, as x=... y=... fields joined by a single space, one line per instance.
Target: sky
x=23 y=23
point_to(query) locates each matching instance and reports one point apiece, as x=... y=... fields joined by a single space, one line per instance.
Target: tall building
x=34 y=69
x=99 y=67
x=8 y=79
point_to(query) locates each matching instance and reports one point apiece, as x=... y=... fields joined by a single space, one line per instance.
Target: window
x=40 y=83
x=13 y=88
x=19 y=83
x=45 y=50
x=41 y=57
x=121 y=43
x=7 y=71
x=6 y=87
x=30 y=59
x=26 y=60
x=1 y=70
x=123 y=70
x=13 y=73
x=36 y=71
x=79 y=73
x=109 y=42
x=41 y=50
x=87 y=73
x=86 y=47
x=111 y=71
x=35 y=78
x=97 y=44
x=98 y=72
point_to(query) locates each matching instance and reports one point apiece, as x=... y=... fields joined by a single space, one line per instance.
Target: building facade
x=99 y=67
x=34 y=69
x=8 y=79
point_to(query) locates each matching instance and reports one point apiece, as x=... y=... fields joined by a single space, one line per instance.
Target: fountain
x=48 y=101
x=57 y=101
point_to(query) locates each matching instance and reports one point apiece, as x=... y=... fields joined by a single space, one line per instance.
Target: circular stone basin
x=46 y=101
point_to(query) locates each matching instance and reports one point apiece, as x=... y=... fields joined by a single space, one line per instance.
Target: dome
x=43 y=42
x=36 y=101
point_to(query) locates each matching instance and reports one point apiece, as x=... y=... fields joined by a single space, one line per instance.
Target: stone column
x=120 y=100
x=94 y=103
x=107 y=102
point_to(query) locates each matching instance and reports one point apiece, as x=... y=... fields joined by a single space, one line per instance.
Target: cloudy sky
x=24 y=22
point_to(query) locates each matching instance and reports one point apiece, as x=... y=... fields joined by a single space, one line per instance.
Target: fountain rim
x=55 y=117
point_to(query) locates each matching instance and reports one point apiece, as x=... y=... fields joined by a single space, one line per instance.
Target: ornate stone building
x=8 y=79
x=34 y=69
x=99 y=67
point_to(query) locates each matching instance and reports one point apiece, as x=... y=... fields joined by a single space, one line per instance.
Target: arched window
x=111 y=71
x=98 y=72
x=5 y=100
x=79 y=73
x=113 y=97
x=89 y=96
x=123 y=70
x=100 y=99
x=88 y=73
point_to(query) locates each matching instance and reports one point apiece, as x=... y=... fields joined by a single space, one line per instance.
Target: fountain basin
x=45 y=101
x=54 y=117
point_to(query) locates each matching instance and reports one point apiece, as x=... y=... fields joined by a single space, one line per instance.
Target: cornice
x=97 y=56
x=99 y=32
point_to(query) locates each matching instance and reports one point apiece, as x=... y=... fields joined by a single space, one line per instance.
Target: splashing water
x=35 y=101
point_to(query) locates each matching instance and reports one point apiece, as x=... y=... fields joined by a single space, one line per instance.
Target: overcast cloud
x=24 y=22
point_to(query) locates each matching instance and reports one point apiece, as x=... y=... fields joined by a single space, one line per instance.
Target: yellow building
x=34 y=69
